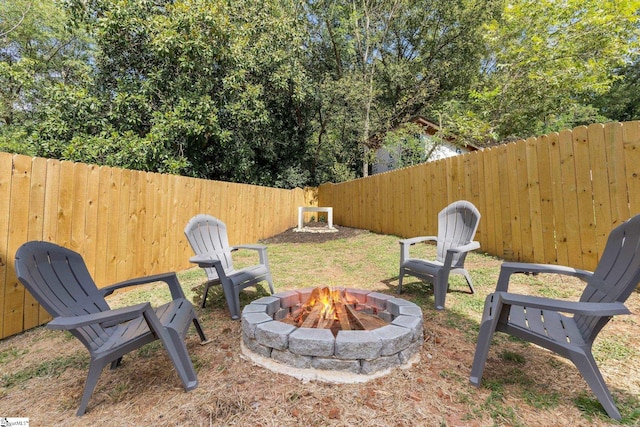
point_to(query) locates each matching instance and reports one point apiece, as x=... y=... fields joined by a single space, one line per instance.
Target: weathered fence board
x=546 y=200
x=631 y=141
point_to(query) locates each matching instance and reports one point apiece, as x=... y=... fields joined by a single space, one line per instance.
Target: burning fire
x=329 y=298
x=333 y=309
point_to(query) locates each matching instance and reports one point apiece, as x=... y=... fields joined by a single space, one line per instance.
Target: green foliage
x=300 y=92
x=622 y=101
x=36 y=52
x=545 y=56
x=377 y=64
x=202 y=88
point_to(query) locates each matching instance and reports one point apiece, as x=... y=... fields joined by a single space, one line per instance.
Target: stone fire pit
x=310 y=353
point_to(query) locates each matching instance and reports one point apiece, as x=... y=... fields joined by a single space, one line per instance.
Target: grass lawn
x=42 y=372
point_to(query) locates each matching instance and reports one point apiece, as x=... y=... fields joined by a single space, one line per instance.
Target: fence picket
x=65 y=204
x=523 y=207
x=33 y=315
x=91 y=251
x=18 y=227
x=6 y=164
x=14 y=297
x=546 y=201
x=601 y=196
x=535 y=208
x=490 y=214
x=557 y=188
x=584 y=193
x=631 y=141
x=79 y=198
x=569 y=189
x=617 y=173
x=510 y=210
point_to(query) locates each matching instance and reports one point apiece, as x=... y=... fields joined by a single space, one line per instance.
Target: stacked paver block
x=358 y=352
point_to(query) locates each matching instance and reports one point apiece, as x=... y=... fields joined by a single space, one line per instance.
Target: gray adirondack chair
x=541 y=320
x=208 y=239
x=59 y=280
x=457 y=226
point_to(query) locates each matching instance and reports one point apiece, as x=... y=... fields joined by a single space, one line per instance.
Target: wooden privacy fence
x=125 y=223
x=551 y=199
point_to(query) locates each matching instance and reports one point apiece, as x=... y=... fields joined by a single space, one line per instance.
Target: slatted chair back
x=457 y=226
x=616 y=275
x=208 y=235
x=59 y=280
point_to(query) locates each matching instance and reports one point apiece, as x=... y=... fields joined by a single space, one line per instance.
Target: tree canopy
x=299 y=92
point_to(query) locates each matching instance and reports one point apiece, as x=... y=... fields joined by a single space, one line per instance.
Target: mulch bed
x=292 y=236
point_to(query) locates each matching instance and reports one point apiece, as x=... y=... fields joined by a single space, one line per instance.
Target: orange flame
x=328 y=298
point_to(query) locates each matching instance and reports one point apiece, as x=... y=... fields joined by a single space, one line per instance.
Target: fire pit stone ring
x=315 y=354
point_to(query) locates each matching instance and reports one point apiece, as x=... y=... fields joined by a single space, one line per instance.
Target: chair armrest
x=405 y=244
x=471 y=246
x=585 y=308
x=112 y=317
x=448 y=258
x=509 y=268
x=253 y=247
x=262 y=251
x=206 y=261
x=414 y=240
x=171 y=279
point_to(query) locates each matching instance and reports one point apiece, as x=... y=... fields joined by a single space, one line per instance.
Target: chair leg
x=204 y=294
x=401 y=275
x=177 y=349
x=199 y=330
x=116 y=363
x=95 y=369
x=588 y=368
x=440 y=288
x=232 y=296
x=466 y=275
x=174 y=344
x=270 y=282
x=235 y=314
x=487 y=329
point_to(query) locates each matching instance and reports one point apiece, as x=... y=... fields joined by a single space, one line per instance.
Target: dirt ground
x=42 y=372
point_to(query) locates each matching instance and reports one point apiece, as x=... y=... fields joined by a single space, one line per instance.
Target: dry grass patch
x=42 y=372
